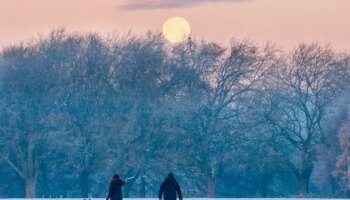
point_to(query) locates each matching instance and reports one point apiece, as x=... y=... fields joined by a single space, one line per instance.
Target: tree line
x=242 y=120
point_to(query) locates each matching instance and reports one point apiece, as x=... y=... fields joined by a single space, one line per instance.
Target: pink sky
x=285 y=22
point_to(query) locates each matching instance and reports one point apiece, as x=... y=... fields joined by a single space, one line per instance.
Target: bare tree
x=304 y=85
x=211 y=128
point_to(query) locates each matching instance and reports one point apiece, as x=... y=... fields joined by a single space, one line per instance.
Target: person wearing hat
x=170 y=188
x=115 y=188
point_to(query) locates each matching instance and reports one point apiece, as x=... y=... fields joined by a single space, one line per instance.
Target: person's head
x=170 y=175
x=116 y=176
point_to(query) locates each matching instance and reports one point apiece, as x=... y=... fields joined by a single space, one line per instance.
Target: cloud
x=154 y=4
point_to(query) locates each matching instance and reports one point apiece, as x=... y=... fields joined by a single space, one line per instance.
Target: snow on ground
x=184 y=198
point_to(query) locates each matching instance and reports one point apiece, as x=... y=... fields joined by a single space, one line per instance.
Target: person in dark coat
x=115 y=188
x=170 y=187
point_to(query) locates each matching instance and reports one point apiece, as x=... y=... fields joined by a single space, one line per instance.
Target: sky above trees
x=286 y=22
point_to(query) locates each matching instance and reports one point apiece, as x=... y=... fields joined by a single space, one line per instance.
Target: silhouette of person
x=115 y=188
x=170 y=187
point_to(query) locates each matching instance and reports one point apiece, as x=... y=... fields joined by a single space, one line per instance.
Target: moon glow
x=176 y=29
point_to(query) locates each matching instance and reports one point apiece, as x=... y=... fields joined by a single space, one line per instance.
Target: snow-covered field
x=184 y=198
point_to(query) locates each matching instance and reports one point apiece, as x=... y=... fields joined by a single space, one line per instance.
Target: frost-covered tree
x=241 y=120
x=302 y=87
x=342 y=171
x=211 y=126
x=27 y=84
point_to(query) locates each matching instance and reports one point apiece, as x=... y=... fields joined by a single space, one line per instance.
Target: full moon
x=176 y=29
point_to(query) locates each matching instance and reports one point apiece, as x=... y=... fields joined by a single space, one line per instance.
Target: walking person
x=170 y=188
x=115 y=188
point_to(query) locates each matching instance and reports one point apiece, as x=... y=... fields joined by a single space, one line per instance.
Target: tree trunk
x=211 y=188
x=31 y=172
x=264 y=187
x=303 y=182
x=45 y=182
x=264 y=191
x=306 y=169
x=30 y=187
x=348 y=168
x=143 y=188
x=303 y=186
x=84 y=184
